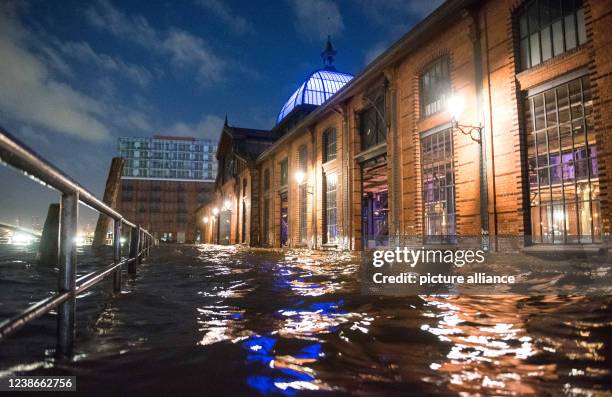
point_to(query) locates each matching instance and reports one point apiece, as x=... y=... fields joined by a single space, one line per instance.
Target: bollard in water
x=113 y=182
x=69 y=212
x=117 y=255
x=48 y=251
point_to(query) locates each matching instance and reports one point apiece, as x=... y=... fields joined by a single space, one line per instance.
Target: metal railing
x=19 y=156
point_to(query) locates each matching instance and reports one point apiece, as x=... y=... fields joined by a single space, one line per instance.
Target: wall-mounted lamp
x=215 y=211
x=455 y=106
x=205 y=219
x=300 y=176
x=227 y=204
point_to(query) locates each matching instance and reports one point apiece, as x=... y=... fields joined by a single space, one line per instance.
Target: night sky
x=76 y=75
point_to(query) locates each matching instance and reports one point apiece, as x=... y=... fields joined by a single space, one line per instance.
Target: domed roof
x=315 y=90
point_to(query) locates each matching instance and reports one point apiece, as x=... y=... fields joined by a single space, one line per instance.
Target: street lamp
x=300 y=178
x=215 y=212
x=456 y=106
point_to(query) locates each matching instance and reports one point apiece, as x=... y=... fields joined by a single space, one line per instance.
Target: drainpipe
x=478 y=77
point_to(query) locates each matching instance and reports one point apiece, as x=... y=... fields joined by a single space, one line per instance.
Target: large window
x=244 y=210
x=266 y=180
x=562 y=159
x=372 y=126
x=266 y=221
x=548 y=28
x=438 y=184
x=329 y=145
x=303 y=166
x=435 y=87
x=284 y=172
x=331 y=224
x=228 y=169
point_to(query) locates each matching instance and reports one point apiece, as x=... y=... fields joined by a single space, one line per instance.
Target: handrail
x=18 y=155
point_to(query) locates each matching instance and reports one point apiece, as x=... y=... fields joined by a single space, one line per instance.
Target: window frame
x=330 y=208
x=448 y=230
x=550 y=35
x=329 y=145
x=561 y=162
x=380 y=129
x=443 y=87
x=284 y=172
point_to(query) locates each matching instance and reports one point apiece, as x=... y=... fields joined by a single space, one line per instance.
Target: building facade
x=489 y=120
x=164 y=180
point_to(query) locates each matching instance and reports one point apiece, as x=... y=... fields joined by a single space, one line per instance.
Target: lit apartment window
x=329 y=145
x=438 y=184
x=331 y=224
x=562 y=158
x=372 y=126
x=435 y=86
x=548 y=28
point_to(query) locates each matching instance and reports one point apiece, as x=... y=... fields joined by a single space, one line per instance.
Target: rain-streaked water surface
x=227 y=321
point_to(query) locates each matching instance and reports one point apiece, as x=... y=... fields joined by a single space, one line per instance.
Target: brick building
x=164 y=181
x=488 y=118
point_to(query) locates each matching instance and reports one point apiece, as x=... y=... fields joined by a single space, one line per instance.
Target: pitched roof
x=248 y=143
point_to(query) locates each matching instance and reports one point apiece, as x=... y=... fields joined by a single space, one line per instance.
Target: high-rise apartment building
x=165 y=179
x=169 y=157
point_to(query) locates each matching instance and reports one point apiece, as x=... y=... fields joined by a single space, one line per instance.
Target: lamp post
x=455 y=107
x=215 y=212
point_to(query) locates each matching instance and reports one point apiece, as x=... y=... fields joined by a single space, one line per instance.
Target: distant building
x=165 y=179
x=169 y=157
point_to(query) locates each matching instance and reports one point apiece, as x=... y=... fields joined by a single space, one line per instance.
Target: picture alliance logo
x=412 y=257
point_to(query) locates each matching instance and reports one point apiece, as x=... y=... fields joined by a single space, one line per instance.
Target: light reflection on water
x=297 y=323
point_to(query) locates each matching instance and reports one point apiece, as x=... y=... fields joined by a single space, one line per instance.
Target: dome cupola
x=318 y=87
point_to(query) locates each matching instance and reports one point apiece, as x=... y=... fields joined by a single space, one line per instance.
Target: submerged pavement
x=213 y=320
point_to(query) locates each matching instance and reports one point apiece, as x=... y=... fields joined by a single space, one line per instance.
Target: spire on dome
x=328 y=55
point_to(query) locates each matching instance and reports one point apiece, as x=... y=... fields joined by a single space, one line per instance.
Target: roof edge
x=448 y=10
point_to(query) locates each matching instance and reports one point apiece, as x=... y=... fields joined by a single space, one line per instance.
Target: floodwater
x=206 y=320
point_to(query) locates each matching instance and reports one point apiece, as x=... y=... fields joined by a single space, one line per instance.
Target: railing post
x=141 y=245
x=117 y=255
x=69 y=212
x=134 y=244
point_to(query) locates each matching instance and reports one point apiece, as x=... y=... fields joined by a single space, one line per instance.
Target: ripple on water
x=296 y=322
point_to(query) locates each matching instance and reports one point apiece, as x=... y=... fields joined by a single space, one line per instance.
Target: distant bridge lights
x=20 y=238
